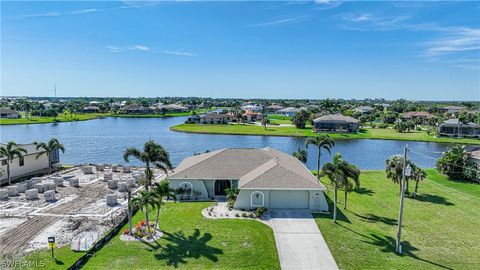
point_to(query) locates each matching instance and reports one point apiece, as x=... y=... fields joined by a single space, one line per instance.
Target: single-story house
x=252 y=116
x=452 y=109
x=91 y=109
x=424 y=116
x=474 y=156
x=335 y=123
x=456 y=128
x=265 y=177
x=172 y=108
x=215 y=118
x=252 y=107
x=8 y=113
x=273 y=109
x=28 y=164
x=363 y=110
x=289 y=111
x=135 y=109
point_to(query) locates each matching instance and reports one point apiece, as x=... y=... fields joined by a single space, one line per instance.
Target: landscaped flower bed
x=142 y=232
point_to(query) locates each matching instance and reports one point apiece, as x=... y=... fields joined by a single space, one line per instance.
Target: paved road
x=299 y=242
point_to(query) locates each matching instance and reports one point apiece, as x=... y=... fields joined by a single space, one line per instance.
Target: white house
x=27 y=165
x=265 y=177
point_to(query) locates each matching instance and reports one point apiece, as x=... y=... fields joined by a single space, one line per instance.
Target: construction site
x=77 y=206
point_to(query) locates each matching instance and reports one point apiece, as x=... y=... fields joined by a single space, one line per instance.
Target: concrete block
x=58 y=181
x=87 y=169
x=112 y=184
x=3 y=194
x=50 y=196
x=35 y=180
x=115 y=168
x=100 y=167
x=111 y=199
x=126 y=169
x=12 y=191
x=39 y=187
x=122 y=186
x=137 y=175
x=31 y=194
x=29 y=183
x=107 y=176
x=49 y=186
x=131 y=183
x=21 y=187
x=74 y=182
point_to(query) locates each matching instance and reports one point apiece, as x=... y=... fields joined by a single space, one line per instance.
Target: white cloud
x=181 y=53
x=285 y=20
x=461 y=39
x=139 y=48
x=143 y=48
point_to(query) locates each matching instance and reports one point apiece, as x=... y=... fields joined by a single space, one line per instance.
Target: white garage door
x=289 y=199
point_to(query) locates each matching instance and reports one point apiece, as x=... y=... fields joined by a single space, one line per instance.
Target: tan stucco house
x=265 y=177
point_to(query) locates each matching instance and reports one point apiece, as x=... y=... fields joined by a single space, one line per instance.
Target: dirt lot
x=26 y=224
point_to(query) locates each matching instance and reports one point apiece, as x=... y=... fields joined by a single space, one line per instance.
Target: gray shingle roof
x=336 y=118
x=265 y=168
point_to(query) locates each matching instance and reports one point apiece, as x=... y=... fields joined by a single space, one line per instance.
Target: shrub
x=252 y=215
x=237 y=215
x=260 y=211
x=244 y=215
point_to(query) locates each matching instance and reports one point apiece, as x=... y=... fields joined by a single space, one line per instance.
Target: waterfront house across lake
x=456 y=128
x=290 y=111
x=335 y=123
x=417 y=115
x=8 y=113
x=265 y=177
x=215 y=118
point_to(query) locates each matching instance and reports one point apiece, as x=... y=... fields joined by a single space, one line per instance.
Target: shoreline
x=335 y=136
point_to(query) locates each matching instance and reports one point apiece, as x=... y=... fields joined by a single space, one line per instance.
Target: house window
x=187 y=188
x=257 y=199
x=21 y=161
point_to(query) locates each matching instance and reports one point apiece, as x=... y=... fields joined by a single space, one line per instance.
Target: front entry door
x=220 y=186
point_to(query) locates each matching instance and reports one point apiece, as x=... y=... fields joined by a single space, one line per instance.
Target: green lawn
x=190 y=241
x=441 y=227
x=62 y=117
x=370 y=133
x=199 y=111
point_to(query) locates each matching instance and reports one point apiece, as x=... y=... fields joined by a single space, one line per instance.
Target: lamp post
x=406 y=172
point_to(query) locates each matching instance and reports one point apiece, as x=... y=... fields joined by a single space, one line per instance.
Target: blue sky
x=322 y=49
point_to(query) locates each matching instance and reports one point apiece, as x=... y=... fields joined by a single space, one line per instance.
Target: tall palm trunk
x=335 y=205
x=318 y=163
x=345 y=203
x=148 y=223
x=158 y=213
x=129 y=213
x=8 y=171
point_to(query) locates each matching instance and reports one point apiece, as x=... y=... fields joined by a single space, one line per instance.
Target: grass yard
x=190 y=242
x=62 y=117
x=370 y=133
x=441 y=227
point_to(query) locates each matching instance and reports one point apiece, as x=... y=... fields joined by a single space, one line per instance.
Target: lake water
x=104 y=140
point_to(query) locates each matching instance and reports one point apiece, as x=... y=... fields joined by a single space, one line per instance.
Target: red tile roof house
x=417 y=115
x=252 y=116
x=265 y=177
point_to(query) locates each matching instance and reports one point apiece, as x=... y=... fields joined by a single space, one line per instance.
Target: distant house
x=273 y=109
x=215 y=118
x=135 y=109
x=8 y=113
x=28 y=164
x=456 y=128
x=335 y=123
x=94 y=103
x=252 y=116
x=474 y=156
x=193 y=119
x=452 y=109
x=417 y=115
x=172 y=108
x=252 y=107
x=265 y=178
x=289 y=111
x=91 y=109
x=363 y=109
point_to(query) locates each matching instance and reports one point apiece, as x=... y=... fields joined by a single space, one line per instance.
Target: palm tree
x=49 y=149
x=301 y=155
x=143 y=201
x=417 y=175
x=153 y=154
x=321 y=141
x=330 y=169
x=9 y=151
x=161 y=190
x=265 y=122
x=394 y=169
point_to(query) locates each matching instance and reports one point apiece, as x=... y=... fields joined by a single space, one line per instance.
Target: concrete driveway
x=299 y=242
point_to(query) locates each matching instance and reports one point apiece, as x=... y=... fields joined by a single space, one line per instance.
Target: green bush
x=260 y=211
